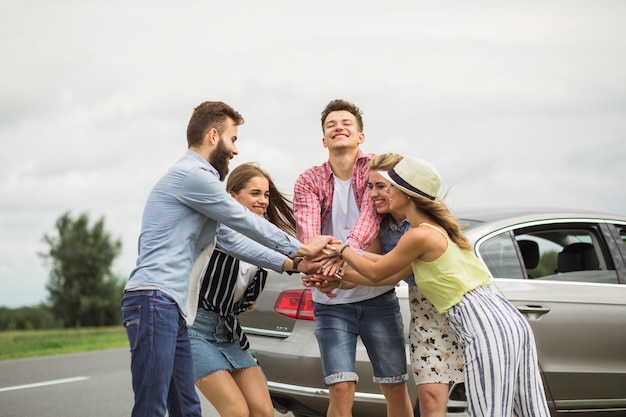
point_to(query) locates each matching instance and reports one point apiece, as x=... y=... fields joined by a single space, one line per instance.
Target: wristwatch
x=296 y=262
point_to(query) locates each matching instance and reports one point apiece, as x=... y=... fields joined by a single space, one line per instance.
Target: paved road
x=93 y=384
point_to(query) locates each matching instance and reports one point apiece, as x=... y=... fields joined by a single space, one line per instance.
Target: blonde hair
x=442 y=215
x=384 y=162
x=435 y=209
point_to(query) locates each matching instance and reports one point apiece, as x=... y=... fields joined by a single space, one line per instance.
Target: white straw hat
x=416 y=177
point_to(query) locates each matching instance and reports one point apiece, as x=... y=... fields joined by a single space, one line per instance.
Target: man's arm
x=205 y=194
x=306 y=209
x=367 y=226
x=246 y=249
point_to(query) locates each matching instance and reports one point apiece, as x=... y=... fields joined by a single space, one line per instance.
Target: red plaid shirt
x=313 y=202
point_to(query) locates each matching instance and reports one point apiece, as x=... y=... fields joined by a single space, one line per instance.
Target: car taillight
x=297 y=304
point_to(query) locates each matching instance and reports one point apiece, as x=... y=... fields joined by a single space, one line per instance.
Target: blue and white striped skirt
x=502 y=375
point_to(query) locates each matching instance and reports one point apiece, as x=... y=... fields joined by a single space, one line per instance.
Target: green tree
x=546 y=265
x=27 y=318
x=82 y=290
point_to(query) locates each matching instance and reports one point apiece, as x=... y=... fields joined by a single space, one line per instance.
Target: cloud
x=518 y=104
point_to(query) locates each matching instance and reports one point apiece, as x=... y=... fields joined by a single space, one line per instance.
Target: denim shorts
x=210 y=348
x=378 y=322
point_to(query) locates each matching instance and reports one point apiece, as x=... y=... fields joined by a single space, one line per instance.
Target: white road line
x=43 y=384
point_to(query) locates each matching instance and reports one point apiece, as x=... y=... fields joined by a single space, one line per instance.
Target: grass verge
x=29 y=343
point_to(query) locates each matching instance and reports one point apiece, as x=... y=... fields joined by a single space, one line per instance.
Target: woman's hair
x=384 y=162
x=442 y=214
x=338 y=105
x=279 y=211
x=436 y=209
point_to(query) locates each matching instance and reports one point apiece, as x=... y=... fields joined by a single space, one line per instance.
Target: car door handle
x=533 y=311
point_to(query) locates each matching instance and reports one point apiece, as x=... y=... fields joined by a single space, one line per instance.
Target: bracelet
x=342 y=249
x=296 y=262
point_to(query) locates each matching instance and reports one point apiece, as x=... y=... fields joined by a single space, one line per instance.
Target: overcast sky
x=516 y=103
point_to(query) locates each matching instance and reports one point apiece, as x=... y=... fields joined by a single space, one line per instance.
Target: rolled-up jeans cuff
x=392 y=380
x=341 y=377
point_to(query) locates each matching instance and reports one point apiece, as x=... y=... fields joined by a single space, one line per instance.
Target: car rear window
x=573 y=252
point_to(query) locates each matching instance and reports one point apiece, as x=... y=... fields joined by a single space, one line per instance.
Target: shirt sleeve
x=367 y=226
x=306 y=208
x=206 y=194
x=246 y=249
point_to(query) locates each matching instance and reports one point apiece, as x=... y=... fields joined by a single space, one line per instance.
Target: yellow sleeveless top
x=445 y=280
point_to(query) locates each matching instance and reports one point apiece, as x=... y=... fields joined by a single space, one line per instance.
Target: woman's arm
x=351 y=279
x=352 y=276
x=396 y=263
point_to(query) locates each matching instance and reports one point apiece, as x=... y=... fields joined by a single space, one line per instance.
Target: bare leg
x=433 y=399
x=254 y=388
x=224 y=394
x=341 y=399
x=398 y=400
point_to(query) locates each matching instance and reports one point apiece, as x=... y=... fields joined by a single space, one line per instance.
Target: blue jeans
x=161 y=364
x=378 y=321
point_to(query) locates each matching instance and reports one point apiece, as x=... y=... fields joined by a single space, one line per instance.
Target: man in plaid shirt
x=333 y=199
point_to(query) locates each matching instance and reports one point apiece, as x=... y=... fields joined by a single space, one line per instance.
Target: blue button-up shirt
x=181 y=217
x=390 y=234
x=247 y=250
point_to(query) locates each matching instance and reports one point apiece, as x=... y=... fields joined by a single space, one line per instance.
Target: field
x=28 y=343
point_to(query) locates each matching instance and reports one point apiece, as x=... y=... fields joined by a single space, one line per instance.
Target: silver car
x=564 y=270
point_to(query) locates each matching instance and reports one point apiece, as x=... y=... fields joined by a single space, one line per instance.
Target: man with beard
x=179 y=221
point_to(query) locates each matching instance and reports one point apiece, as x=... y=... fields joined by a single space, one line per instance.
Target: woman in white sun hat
x=501 y=371
x=436 y=358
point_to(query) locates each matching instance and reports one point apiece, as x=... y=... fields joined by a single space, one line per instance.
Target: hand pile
x=325 y=271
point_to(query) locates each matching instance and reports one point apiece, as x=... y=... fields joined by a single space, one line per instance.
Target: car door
x=567 y=278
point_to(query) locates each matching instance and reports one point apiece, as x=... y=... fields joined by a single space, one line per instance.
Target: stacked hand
x=330 y=263
x=324 y=283
x=330 y=268
x=319 y=246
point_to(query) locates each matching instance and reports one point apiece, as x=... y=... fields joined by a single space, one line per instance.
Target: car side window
x=565 y=254
x=500 y=256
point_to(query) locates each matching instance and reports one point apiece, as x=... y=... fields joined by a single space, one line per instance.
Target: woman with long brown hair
x=224 y=370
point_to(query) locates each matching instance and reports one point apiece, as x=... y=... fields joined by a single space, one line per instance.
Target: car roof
x=493 y=218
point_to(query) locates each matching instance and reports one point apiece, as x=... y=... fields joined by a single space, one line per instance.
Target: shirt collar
x=403 y=227
x=196 y=156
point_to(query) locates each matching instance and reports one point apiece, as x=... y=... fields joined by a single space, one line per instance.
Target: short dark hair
x=209 y=115
x=337 y=105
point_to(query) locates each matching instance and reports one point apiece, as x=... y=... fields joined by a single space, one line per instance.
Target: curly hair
x=209 y=115
x=338 y=105
x=279 y=211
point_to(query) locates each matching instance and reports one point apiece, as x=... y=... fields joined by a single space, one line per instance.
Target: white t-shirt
x=344 y=215
x=244 y=279
x=344 y=211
